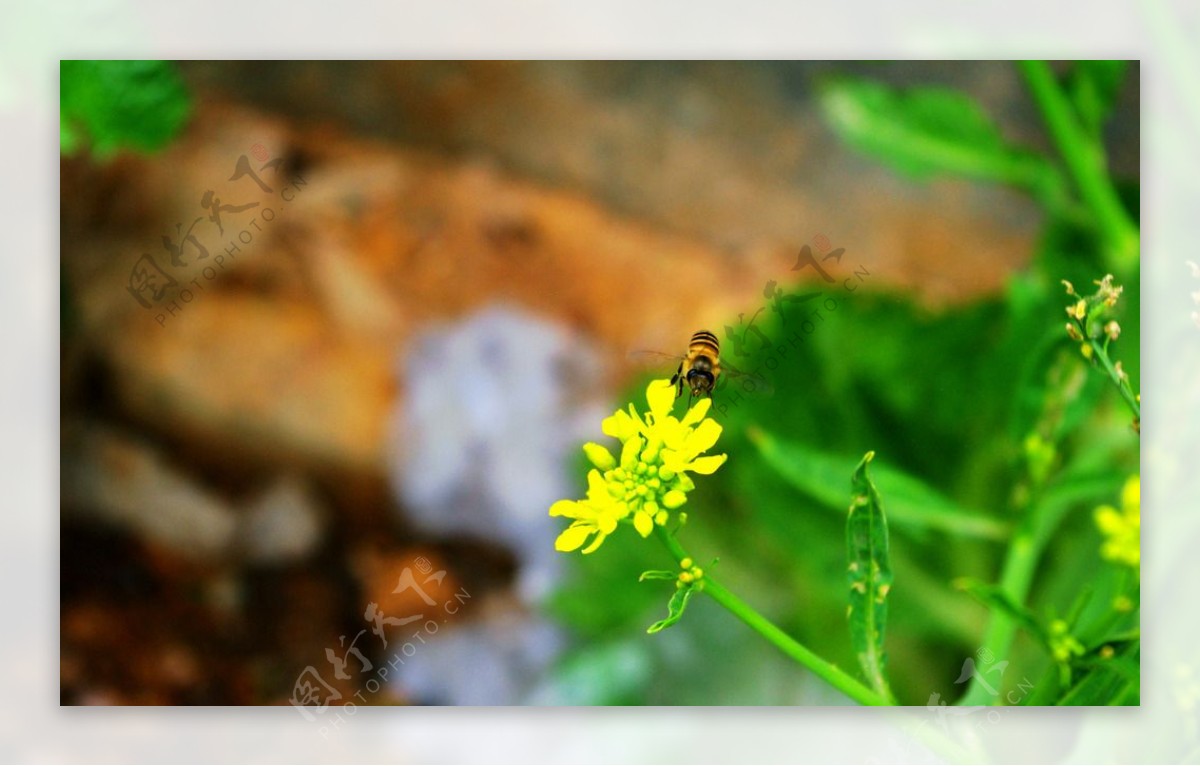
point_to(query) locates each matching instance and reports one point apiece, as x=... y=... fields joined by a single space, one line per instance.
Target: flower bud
x=674 y=499
x=600 y=456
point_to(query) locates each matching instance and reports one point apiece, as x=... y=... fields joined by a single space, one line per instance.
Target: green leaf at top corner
x=930 y=130
x=110 y=105
x=1093 y=87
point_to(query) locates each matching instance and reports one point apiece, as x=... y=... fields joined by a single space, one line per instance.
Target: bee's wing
x=648 y=358
x=748 y=382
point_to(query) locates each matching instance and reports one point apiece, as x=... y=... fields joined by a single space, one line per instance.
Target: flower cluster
x=651 y=478
x=689 y=574
x=1087 y=314
x=1122 y=529
x=1063 y=646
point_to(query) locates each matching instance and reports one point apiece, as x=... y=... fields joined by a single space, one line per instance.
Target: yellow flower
x=650 y=479
x=1122 y=529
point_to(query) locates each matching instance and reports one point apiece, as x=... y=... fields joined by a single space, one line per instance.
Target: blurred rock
x=733 y=154
x=494 y=660
x=284 y=356
x=488 y=429
x=125 y=482
x=282 y=525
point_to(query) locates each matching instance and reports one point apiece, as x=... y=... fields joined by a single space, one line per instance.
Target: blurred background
x=327 y=323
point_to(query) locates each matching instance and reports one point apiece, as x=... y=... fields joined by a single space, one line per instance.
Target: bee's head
x=700 y=382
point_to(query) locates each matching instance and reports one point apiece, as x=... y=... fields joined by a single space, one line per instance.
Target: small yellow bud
x=1070 y=287
x=600 y=456
x=697 y=572
x=1121 y=374
x=1086 y=350
x=1106 y=652
x=674 y=499
x=1112 y=330
x=686 y=563
x=1073 y=332
x=1081 y=309
x=685 y=576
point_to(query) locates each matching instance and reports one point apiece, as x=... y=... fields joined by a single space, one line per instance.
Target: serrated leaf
x=923 y=131
x=870 y=577
x=912 y=504
x=675 y=607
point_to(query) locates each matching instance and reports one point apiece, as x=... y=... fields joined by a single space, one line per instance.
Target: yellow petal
x=674 y=499
x=597 y=488
x=660 y=395
x=706 y=465
x=629 y=453
x=572 y=537
x=595 y=543
x=697 y=412
x=703 y=438
x=643 y=523
x=1108 y=520
x=1131 y=494
x=620 y=425
x=600 y=456
x=564 y=508
x=608 y=524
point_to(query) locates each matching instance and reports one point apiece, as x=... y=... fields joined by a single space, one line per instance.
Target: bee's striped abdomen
x=704 y=342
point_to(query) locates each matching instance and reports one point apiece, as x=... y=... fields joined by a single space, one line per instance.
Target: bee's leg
x=677 y=381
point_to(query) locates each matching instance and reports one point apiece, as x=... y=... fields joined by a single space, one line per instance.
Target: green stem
x=1126 y=392
x=836 y=677
x=1086 y=163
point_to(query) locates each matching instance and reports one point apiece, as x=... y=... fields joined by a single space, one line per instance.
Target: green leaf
x=912 y=504
x=111 y=105
x=658 y=574
x=994 y=598
x=675 y=608
x=870 y=577
x=1093 y=87
x=923 y=131
x=1114 y=682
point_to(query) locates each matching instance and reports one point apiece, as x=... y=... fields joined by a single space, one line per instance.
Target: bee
x=700 y=369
